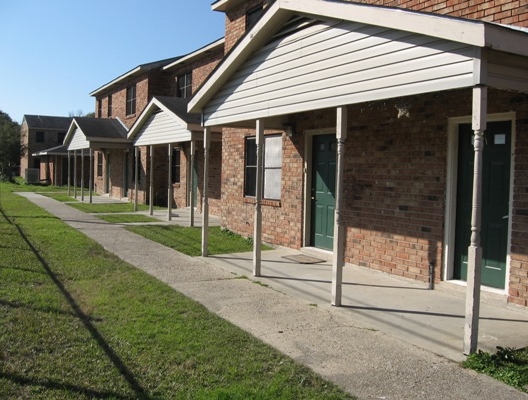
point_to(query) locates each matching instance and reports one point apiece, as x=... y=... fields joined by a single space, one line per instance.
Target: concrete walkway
x=383 y=344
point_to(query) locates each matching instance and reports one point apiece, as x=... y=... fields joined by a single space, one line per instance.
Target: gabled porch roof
x=95 y=133
x=165 y=120
x=304 y=55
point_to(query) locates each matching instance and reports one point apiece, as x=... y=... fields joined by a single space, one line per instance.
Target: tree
x=10 y=147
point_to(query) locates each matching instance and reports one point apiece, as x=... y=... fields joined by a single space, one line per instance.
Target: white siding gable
x=328 y=64
x=78 y=141
x=161 y=128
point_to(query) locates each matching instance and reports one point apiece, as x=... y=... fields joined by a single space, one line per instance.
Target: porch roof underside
x=96 y=133
x=165 y=120
x=305 y=55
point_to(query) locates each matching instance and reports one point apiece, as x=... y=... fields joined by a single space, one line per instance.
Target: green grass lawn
x=507 y=365
x=109 y=207
x=119 y=218
x=79 y=323
x=189 y=240
x=59 y=196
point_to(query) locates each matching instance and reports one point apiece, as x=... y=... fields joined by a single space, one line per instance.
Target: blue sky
x=53 y=53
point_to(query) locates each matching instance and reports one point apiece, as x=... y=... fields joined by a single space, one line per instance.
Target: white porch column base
x=339 y=228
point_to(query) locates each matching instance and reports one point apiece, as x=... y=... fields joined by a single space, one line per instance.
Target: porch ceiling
x=312 y=54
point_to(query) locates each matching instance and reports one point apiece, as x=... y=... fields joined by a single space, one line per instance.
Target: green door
x=495 y=202
x=323 y=191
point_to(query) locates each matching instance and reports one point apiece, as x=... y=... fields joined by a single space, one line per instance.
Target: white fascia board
x=254 y=38
x=224 y=5
x=116 y=80
x=69 y=135
x=195 y=54
x=440 y=26
x=507 y=39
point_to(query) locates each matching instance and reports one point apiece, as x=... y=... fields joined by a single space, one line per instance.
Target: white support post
x=257 y=233
x=136 y=177
x=169 y=184
x=193 y=186
x=151 y=185
x=69 y=173
x=205 y=208
x=82 y=174
x=75 y=174
x=471 y=324
x=338 y=257
x=90 y=184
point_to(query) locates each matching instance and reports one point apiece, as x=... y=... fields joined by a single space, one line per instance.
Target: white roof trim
x=475 y=33
x=196 y=53
x=113 y=82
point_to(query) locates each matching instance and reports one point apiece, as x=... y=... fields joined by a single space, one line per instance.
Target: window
x=185 y=85
x=252 y=16
x=131 y=100
x=60 y=137
x=39 y=137
x=176 y=165
x=272 y=154
x=100 y=108
x=109 y=106
x=99 y=163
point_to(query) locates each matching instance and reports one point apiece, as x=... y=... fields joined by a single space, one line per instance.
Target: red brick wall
x=513 y=12
x=502 y=11
x=236 y=21
x=394 y=182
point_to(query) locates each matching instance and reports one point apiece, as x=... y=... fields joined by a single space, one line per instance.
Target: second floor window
x=131 y=100
x=39 y=137
x=109 y=106
x=100 y=108
x=185 y=85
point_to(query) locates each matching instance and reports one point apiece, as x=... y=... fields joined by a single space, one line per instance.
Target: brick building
x=37 y=134
x=176 y=137
x=368 y=115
